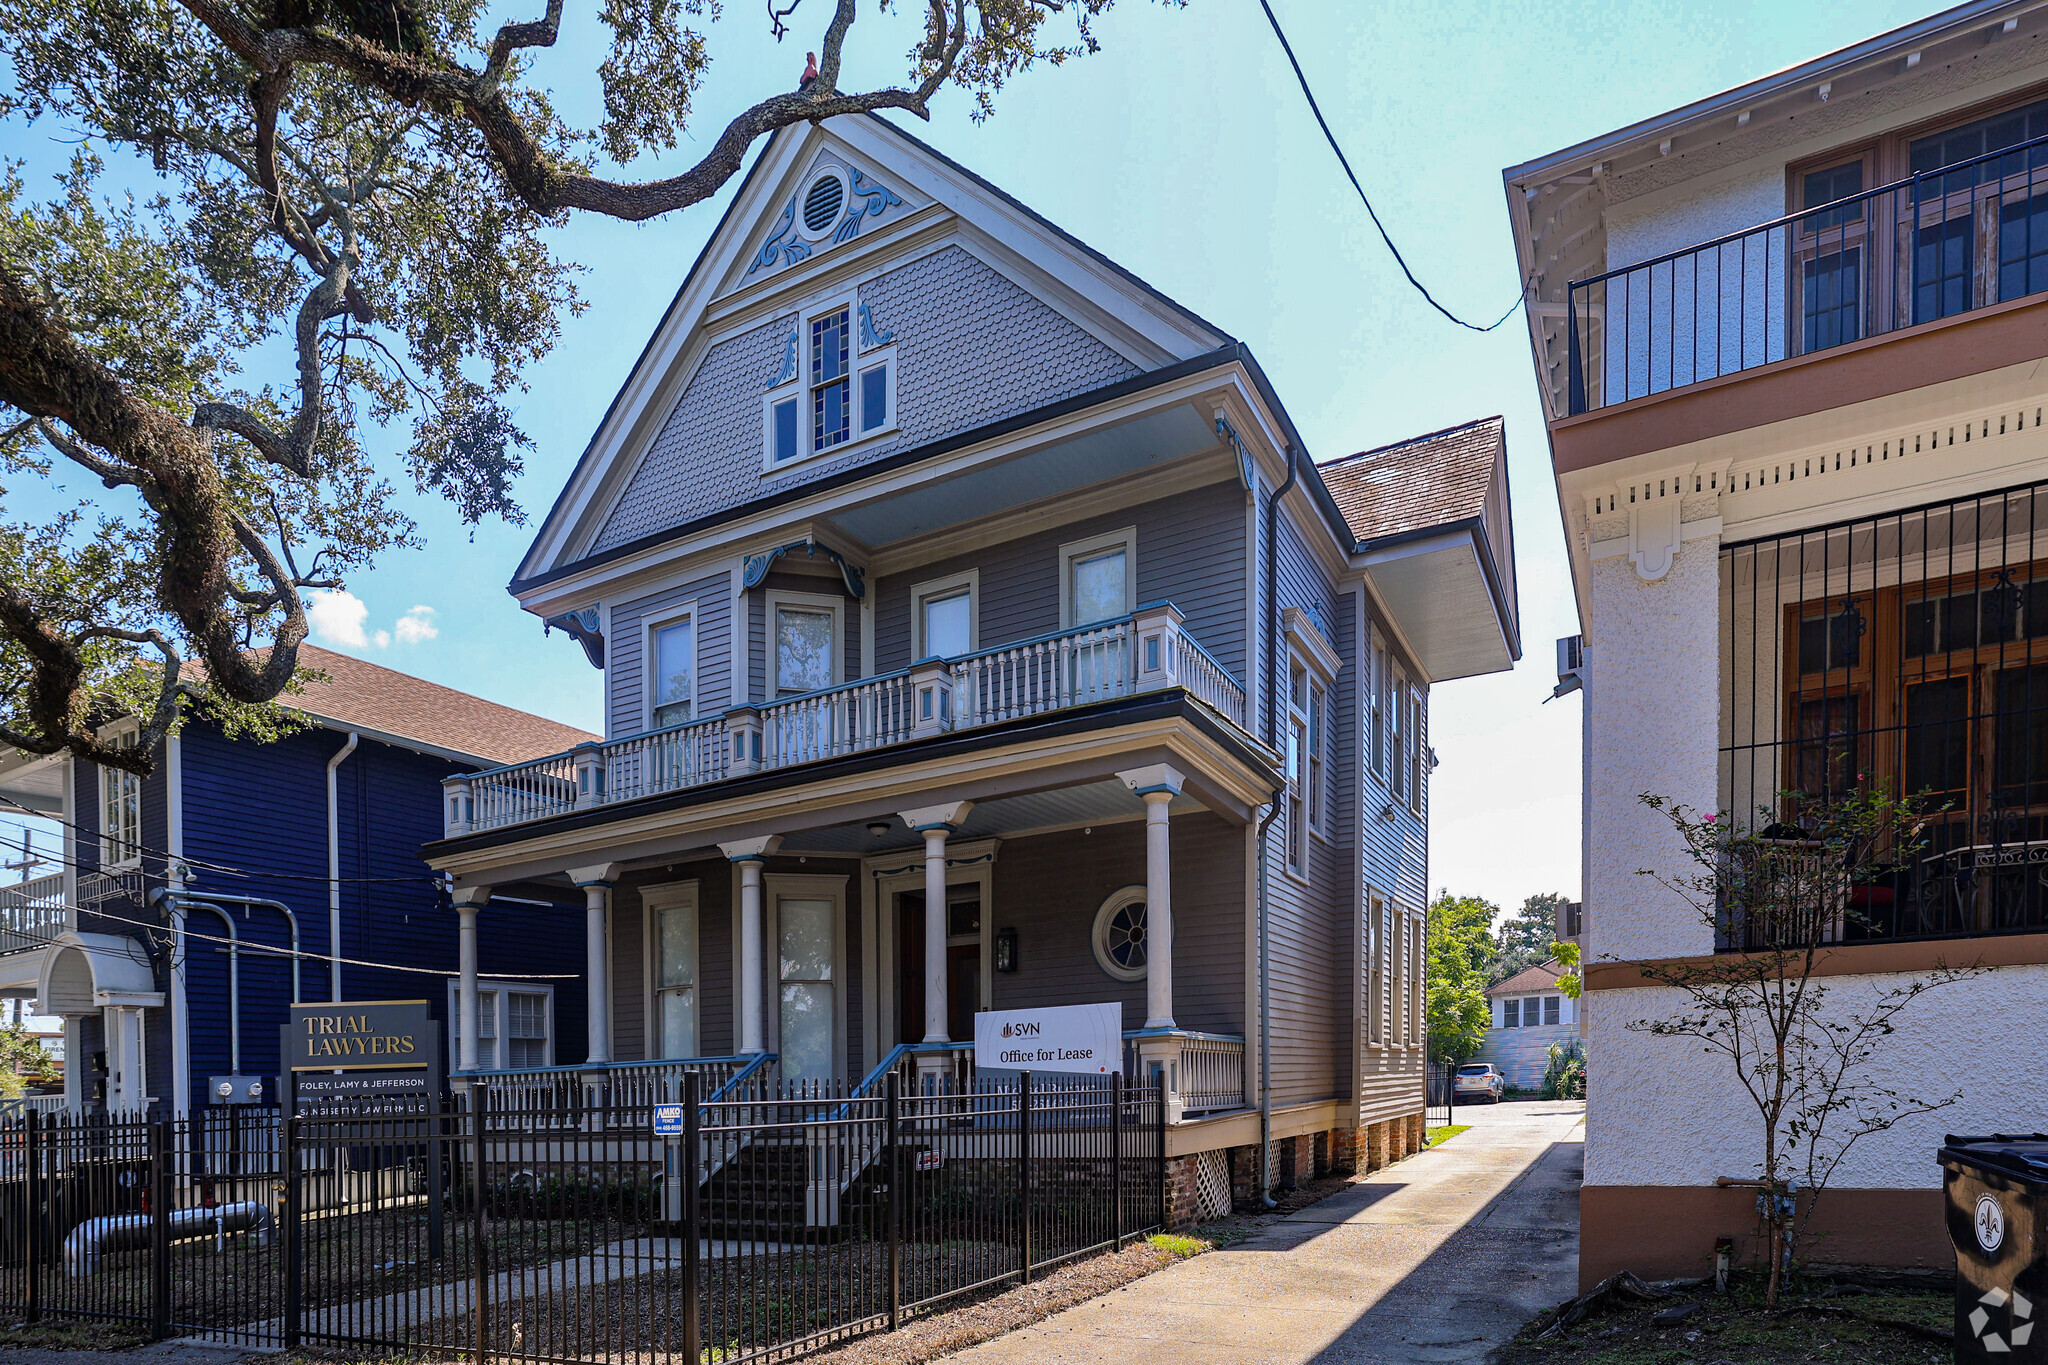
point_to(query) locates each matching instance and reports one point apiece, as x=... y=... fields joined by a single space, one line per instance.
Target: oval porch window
x=1120 y=934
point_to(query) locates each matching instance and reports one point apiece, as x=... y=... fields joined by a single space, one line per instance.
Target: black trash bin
x=1997 y=1194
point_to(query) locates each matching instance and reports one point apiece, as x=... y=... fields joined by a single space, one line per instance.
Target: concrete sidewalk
x=1439 y=1258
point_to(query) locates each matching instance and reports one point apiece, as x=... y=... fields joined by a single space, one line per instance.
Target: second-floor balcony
x=32 y=913
x=1147 y=651
x=1948 y=241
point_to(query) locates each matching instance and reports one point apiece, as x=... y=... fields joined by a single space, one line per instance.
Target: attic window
x=823 y=202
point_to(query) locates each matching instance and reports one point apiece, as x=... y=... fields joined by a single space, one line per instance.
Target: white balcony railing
x=32 y=913
x=1146 y=651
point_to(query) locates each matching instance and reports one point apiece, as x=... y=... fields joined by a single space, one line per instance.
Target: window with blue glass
x=831 y=382
x=782 y=423
x=874 y=397
x=1955 y=171
x=1831 y=301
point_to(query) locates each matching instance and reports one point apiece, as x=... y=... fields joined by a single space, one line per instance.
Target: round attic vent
x=822 y=204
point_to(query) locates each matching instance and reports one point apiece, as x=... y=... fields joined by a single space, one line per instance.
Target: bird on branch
x=810 y=71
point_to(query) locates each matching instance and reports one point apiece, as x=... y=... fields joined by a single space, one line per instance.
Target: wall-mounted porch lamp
x=1006 y=950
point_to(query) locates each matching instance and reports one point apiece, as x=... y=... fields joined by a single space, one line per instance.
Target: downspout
x=177 y=900
x=1265 y=871
x=333 y=875
x=175 y=903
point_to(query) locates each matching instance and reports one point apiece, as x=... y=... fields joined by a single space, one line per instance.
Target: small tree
x=21 y=1054
x=1525 y=937
x=1780 y=895
x=1460 y=951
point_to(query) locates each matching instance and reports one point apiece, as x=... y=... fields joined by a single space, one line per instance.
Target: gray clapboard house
x=978 y=632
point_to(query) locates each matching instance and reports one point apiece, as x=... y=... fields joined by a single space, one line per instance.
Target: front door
x=963 y=964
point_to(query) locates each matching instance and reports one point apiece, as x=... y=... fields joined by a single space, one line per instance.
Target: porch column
x=597 y=882
x=749 y=855
x=1157 y=785
x=468 y=900
x=935 y=823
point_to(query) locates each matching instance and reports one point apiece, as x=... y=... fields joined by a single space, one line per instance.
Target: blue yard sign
x=668 y=1120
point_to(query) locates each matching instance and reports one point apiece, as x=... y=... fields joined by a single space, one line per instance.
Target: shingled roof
x=1541 y=977
x=1415 y=484
x=360 y=695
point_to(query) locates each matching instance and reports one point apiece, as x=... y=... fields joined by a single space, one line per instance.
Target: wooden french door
x=963 y=965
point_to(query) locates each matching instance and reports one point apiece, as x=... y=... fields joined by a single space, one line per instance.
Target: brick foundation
x=1344 y=1148
x=1180 y=1191
x=1244 y=1176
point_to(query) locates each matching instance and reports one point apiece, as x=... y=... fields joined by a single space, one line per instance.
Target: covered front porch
x=851 y=925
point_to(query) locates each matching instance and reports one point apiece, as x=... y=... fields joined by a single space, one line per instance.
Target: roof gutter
x=1834 y=65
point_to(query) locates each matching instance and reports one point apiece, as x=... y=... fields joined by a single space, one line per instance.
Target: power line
x=205 y=864
x=250 y=945
x=1345 y=162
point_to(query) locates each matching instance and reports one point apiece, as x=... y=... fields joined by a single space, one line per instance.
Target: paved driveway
x=1438 y=1258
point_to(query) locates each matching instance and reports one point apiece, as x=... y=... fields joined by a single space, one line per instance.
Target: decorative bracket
x=1228 y=435
x=755 y=567
x=870 y=337
x=788 y=370
x=1653 y=537
x=581 y=625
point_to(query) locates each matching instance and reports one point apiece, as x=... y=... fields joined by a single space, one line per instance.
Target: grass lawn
x=1432 y=1136
x=1810 y=1327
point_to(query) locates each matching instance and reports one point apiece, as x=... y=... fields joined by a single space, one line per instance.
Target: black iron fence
x=1441 y=1100
x=1949 y=240
x=728 y=1231
x=1907 y=651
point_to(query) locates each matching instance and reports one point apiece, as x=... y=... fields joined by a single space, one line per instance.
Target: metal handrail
x=1810 y=211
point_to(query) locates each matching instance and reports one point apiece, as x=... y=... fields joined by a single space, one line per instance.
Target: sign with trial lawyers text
x=1085 y=1038
x=358 y=1035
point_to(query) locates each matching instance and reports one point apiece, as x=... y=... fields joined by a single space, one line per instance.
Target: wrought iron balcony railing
x=1941 y=243
x=1143 y=652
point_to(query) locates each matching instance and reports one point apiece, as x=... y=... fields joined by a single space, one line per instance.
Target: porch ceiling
x=1090 y=802
x=1075 y=462
x=32 y=783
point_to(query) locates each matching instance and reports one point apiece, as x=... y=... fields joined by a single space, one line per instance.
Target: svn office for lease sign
x=1082 y=1038
x=358 y=1035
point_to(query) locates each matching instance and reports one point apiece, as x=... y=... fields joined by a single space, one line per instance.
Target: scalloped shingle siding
x=971 y=348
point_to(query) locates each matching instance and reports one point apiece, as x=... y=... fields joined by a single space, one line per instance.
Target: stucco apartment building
x=1789 y=339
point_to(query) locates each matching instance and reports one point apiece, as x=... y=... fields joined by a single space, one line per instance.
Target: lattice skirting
x=1212 y=1184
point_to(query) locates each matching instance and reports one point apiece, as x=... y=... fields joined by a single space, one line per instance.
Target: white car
x=1477 y=1080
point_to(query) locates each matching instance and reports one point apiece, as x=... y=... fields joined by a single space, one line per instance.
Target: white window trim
x=649 y=628
x=1296 y=863
x=113 y=734
x=653 y=900
x=920 y=593
x=1126 y=540
x=1378 y=741
x=499 y=1020
x=1418 y=744
x=1118 y=899
x=786 y=597
x=775 y=888
x=800 y=388
x=1375 y=955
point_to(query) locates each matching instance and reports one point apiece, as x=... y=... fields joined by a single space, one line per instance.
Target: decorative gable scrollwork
x=830 y=208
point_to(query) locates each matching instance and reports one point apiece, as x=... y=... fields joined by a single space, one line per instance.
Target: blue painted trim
x=747 y=858
x=1156 y=787
x=788 y=370
x=870 y=336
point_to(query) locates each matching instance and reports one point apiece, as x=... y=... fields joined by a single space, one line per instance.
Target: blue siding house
x=166 y=941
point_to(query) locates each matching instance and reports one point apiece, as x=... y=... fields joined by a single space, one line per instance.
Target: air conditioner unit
x=1571 y=660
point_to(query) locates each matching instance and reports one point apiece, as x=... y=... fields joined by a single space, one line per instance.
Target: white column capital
x=597 y=874
x=951 y=816
x=1152 y=778
x=470 y=897
x=745 y=850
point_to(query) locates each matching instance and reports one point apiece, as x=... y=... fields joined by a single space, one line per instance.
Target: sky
x=1184 y=151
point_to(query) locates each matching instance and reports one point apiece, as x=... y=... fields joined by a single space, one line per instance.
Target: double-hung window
x=1511 y=1013
x=1418 y=747
x=836 y=385
x=671 y=686
x=120 y=810
x=1375 y=690
x=942 y=616
x=1397 y=734
x=1299 y=745
x=515 y=1025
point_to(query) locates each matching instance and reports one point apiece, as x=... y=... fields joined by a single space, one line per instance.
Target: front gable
x=969 y=306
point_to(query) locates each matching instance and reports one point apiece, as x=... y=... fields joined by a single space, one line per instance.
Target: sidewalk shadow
x=1514 y=1258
